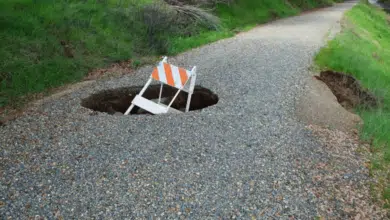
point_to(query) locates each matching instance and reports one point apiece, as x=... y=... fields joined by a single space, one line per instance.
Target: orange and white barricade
x=170 y=75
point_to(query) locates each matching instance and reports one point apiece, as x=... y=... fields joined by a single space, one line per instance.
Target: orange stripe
x=168 y=74
x=183 y=76
x=155 y=74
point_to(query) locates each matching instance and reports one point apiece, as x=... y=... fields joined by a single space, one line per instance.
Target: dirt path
x=248 y=156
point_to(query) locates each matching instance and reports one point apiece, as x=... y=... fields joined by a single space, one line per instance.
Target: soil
x=350 y=94
x=118 y=100
x=341 y=181
x=319 y=106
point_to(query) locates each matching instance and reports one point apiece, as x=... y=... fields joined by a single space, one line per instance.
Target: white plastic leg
x=129 y=109
x=159 y=97
x=140 y=94
x=191 y=89
x=188 y=102
x=173 y=99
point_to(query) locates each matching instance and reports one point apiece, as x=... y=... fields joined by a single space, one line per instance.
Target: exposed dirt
x=319 y=106
x=117 y=101
x=347 y=89
x=330 y=100
x=341 y=181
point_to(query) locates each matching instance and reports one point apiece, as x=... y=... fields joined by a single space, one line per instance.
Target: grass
x=244 y=15
x=32 y=57
x=363 y=50
x=45 y=44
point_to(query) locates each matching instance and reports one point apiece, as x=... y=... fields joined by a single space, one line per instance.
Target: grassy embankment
x=363 y=50
x=45 y=43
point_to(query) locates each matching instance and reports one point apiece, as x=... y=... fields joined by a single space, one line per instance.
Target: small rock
x=347 y=176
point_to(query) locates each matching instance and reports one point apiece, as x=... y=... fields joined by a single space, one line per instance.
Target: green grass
x=244 y=15
x=32 y=57
x=180 y=44
x=363 y=50
x=100 y=32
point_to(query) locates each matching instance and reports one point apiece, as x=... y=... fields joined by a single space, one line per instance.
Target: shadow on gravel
x=116 y=101
x=347 y=89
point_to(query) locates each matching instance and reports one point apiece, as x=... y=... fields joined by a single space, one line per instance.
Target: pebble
x=252 y=74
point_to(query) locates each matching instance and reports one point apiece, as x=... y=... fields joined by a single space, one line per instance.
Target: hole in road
x=116 y=101
x=347 y=89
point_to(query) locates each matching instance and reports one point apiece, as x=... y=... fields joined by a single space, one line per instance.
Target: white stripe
x=189 y=73
x=161 y=73
x=176 y=76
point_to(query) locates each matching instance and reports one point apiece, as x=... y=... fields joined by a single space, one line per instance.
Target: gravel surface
x=239 y=158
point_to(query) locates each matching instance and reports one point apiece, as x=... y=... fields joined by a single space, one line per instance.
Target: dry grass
x=198 y=15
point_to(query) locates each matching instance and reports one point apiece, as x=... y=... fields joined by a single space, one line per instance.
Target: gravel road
x=239 y=158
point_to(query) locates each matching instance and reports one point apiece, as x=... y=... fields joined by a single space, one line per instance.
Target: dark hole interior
x=117 y=101
x=348 y=90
